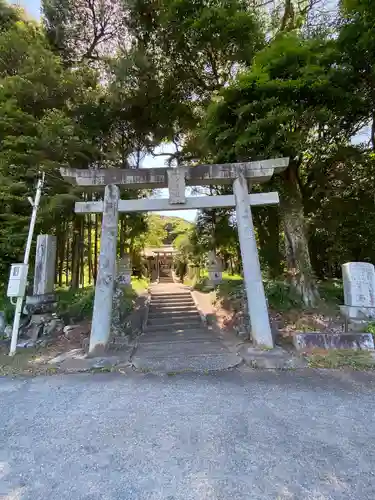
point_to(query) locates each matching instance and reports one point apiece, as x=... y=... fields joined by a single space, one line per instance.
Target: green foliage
x=101 y=84
x=273 y=109
x=332 y=291
x=371 y=328
x=5 y=306
x=139 y=285
x=280 y=295
x=165 y=230
x=75 y=305
x=39 y=130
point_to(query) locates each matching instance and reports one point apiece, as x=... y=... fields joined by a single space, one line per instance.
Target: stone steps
x=175 y=338
x=174 y=306
x=170 y=300
x=191 y=313
x=173 y=326
x=181 y=363
x=179 y=337
x=172 y=311
x=171 y=295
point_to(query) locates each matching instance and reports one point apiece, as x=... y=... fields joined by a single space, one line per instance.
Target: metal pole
x=17 y=313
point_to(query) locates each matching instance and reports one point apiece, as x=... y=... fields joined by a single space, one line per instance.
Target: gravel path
x=230 y=436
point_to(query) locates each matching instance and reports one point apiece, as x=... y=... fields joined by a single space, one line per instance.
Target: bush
x=281 y=296
x=6 y=306
x=331 y=291
x=75 y=305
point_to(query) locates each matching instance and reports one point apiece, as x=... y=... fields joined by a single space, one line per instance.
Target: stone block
x=200 y=175
x=40 y=304
x=355 y=312
x=176 y=186
x=124 y=270
x=273 y=359
x=359 y=284
x=215 y=275
x=311 y=340
x=45 y=261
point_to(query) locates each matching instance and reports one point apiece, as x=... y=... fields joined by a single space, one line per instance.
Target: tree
x=83 y=30
x=295 y=101
x=156 y=232
x=39 y=130
x=193 y=49
x=356 y=43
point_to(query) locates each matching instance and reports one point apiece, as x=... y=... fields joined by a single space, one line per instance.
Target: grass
x=139 y=285
x=341 y=358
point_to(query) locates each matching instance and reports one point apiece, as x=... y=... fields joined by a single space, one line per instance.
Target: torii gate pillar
x=256 y=298
x=102 y=313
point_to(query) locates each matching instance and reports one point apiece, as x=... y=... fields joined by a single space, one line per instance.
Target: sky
x=31 y=6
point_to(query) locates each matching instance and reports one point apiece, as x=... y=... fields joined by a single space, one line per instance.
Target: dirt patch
x=34 y=360
x=230 y=316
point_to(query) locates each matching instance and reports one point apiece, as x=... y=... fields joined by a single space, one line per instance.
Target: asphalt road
x=231 y=436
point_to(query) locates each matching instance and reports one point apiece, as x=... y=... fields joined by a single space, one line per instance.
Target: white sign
x=359 y=284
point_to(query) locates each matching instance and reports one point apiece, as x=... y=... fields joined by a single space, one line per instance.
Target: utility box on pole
x=17 y=280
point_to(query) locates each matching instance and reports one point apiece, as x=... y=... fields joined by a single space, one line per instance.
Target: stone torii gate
x=241 y=175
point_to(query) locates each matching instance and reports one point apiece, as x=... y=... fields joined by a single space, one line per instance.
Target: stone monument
x=215 y=274
x=176 y=186
x=45 y=261
x=359 y=294
x=359 y=309
x=40 y=307
x=124 y=270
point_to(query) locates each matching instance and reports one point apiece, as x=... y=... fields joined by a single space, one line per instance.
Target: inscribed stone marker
x=124 y=270
x=45 y=260
x=176 y=186
x=359 y=284
x=215 y=275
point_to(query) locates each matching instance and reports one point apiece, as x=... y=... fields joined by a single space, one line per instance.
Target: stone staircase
x=176 y=339
x=165 y=276
x=172 y=311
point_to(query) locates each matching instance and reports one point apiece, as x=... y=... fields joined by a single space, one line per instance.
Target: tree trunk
x=61 y=245
x=67 y=254
x=76 y=252
x=82 y=254
x=122 y=236
x=296 y=244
